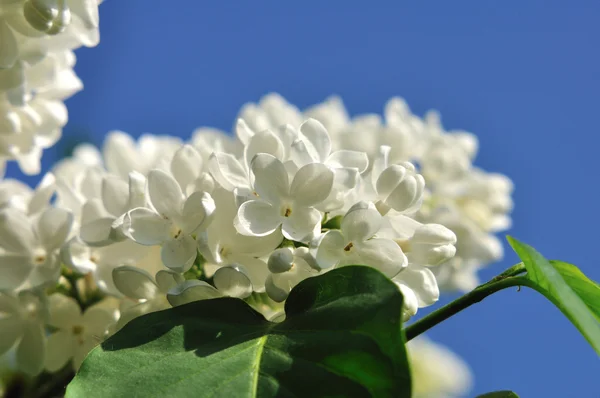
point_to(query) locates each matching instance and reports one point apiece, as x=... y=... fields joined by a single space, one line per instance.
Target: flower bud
x=232 y=281
x=192 y=290
x=281 y=260
x=400 y=188
x=432 y=244
x=50 y=16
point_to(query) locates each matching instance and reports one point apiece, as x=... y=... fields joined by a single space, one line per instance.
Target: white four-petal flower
x=171 y=221
x=281 y=204
x=355 y=243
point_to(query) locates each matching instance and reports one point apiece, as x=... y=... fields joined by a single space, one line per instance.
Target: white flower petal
x=389 y=179
x=257 y=218
x=179 y=254
x=53 y=227
x=301 y=223
x=77 y=256
x=137 y=190
x=243 y=131
x=382 y=254
x=43 y=193
x=197 y=212
x=97 y=320
x=9 y=50
x=276 y=292
x=134 y=282
x=97 y=232
x=407 y=195
x=317 y=137
x=92 y=210
x=186 y=165
x=127 y=252
x=191 y=290
x=11 y=328
x=403 y=227
x=349 y=159
x=300 y=155
x=361 y=222
x=227 y=171
x=422 y=282
x=60 y=348
x=87 y=11
x=167 y=279
x=46 y=274
x=14 y=270
x=120 y=153
x=165 y=194
x=232 y=281
x=64 y=311
x=16 y=234
x=146 y=227
x=328 y=249
x=31 y=351
x=270 y=178
x=281 y=260
x=263 y=142
x=81 y=350
x=255 y=269
x=410 y=302
x=311 y=184
x=345 y=179
x=115 y=194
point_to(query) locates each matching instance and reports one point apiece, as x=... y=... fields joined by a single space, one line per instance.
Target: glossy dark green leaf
x=342 y=337
x=499 y=394
x=587 y=290
x=548 y=280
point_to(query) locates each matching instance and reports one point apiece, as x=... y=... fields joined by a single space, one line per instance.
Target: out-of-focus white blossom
x=22 y=320
x=436 y=371
x=36 y=72
x=29 y=247
x=76 y=333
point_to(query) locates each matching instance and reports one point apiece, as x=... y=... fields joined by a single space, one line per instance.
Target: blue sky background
x=523 y=77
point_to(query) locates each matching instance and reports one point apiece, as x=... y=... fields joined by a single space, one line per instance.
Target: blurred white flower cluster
x=436 y=371
x=144 y=225
x=37 y=39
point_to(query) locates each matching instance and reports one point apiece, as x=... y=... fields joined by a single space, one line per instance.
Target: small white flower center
x=286 y=210
x=39 y=256
x=78 y=330
x=175 y=231
x=31 y=310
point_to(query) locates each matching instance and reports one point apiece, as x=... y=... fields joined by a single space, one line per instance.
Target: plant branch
x=508 y=278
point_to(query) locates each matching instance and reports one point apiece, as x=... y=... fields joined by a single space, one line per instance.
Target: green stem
x=505 y=280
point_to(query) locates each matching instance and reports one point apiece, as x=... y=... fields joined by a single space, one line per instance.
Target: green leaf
x=587 y=290
x=547 y=280
x=341 y=338
x=499 y=394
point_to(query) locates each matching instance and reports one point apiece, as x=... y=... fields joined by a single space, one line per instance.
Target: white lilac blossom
x=143 y=225
x=36 y=72
x=75 y=333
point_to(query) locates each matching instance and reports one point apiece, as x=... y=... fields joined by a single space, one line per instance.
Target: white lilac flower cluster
x=37 y=39
x=149 y=224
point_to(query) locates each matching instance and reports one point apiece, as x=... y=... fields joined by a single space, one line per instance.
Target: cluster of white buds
x=145 y=225
x=37 y=39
